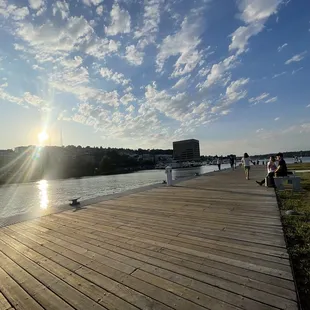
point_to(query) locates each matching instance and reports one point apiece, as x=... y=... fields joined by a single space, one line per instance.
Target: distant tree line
x=74 y=162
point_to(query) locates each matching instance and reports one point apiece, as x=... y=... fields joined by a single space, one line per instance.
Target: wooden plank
x=113 y=281
x=15 y=294
x=24 y=291
x=212 y=236
x=90 y=237
x=192 y=240
x=231 y=286
x=4 y=304
x=178 y=260
x=94 y=292
x=54 y=284
x=103 y=217
x=242 y=237
x=180 y=290
x=212 y=247
x=82 y=224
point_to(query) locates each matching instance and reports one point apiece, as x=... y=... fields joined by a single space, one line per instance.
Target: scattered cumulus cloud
x=116 y=77
x=129 y=76
x=181 y=83
x=280 y=48
x=120 y=21
x=296 y=58
x=147 y=34
x=297 y=70
x=278 y=74
x=92 y=2
x=99 y=10
x=61 y=7
x=273 y=99
x=134 y=56
x=254 y=14
x=258 y=99
x=184 y=44
x=36 y=4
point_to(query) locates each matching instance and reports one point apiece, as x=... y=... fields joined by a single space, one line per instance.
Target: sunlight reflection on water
x=43 y=194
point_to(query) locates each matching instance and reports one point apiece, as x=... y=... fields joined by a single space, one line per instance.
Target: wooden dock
x=213 y=242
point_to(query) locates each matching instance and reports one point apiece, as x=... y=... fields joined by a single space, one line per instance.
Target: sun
x=42 y=136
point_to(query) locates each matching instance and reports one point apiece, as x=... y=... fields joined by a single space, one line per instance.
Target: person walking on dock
x=246 y=162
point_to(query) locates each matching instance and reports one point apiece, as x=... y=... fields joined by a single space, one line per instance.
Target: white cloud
x=278 y=74
x=259 y=98
x=184 y=43
x=241 y=36
x=12 y=11
x=225 y=112
x=133 y=56
x=280 y=48
x=99 y=10
x=296 y=58
x=254 y=13
x=151 y=18
x=259 y=130
x=273 y=99
x=91 y=2
x=219 y=71
x=116 y=77
x=35 y=101
x=36 y=4
x=308 y=106
x=48 y=41
x=62 y=7
x=181 y=83
x=297 y=70
x=26 y=100
x=277 y=118
x=130 y=108
x=127 y=98
x=120 y=21
x=234 y=93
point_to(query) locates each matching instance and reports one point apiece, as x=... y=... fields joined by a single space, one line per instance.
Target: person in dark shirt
x=282 y=168
x=232 y=161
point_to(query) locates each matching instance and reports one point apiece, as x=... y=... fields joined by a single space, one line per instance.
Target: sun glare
x=43 y=137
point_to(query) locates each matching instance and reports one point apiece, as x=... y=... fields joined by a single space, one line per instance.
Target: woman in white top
x=271 y=168
x=246 y=161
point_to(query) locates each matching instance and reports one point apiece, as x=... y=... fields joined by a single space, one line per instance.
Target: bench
x=291 y=179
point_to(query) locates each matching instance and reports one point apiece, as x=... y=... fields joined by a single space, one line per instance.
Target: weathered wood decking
x=214 y=242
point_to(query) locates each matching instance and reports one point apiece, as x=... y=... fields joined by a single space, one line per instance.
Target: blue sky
x=133 y=73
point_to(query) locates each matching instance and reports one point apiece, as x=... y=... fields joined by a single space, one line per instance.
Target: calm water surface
x=22 y=198
x=28 y=197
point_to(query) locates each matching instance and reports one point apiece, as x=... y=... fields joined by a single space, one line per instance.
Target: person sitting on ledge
x=271 y=168
x=282 y=168
x=280 y=171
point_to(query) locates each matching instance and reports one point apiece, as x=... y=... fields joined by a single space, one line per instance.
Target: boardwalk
x=214 y=242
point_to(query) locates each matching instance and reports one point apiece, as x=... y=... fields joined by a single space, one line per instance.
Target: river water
x=17 y=199
x=28 y=197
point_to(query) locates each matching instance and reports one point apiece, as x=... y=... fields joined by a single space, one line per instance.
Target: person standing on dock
x=232 y=161
x=219 y=162
x=246 y=162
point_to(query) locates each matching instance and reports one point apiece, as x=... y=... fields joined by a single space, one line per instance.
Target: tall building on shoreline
x=186 y=150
